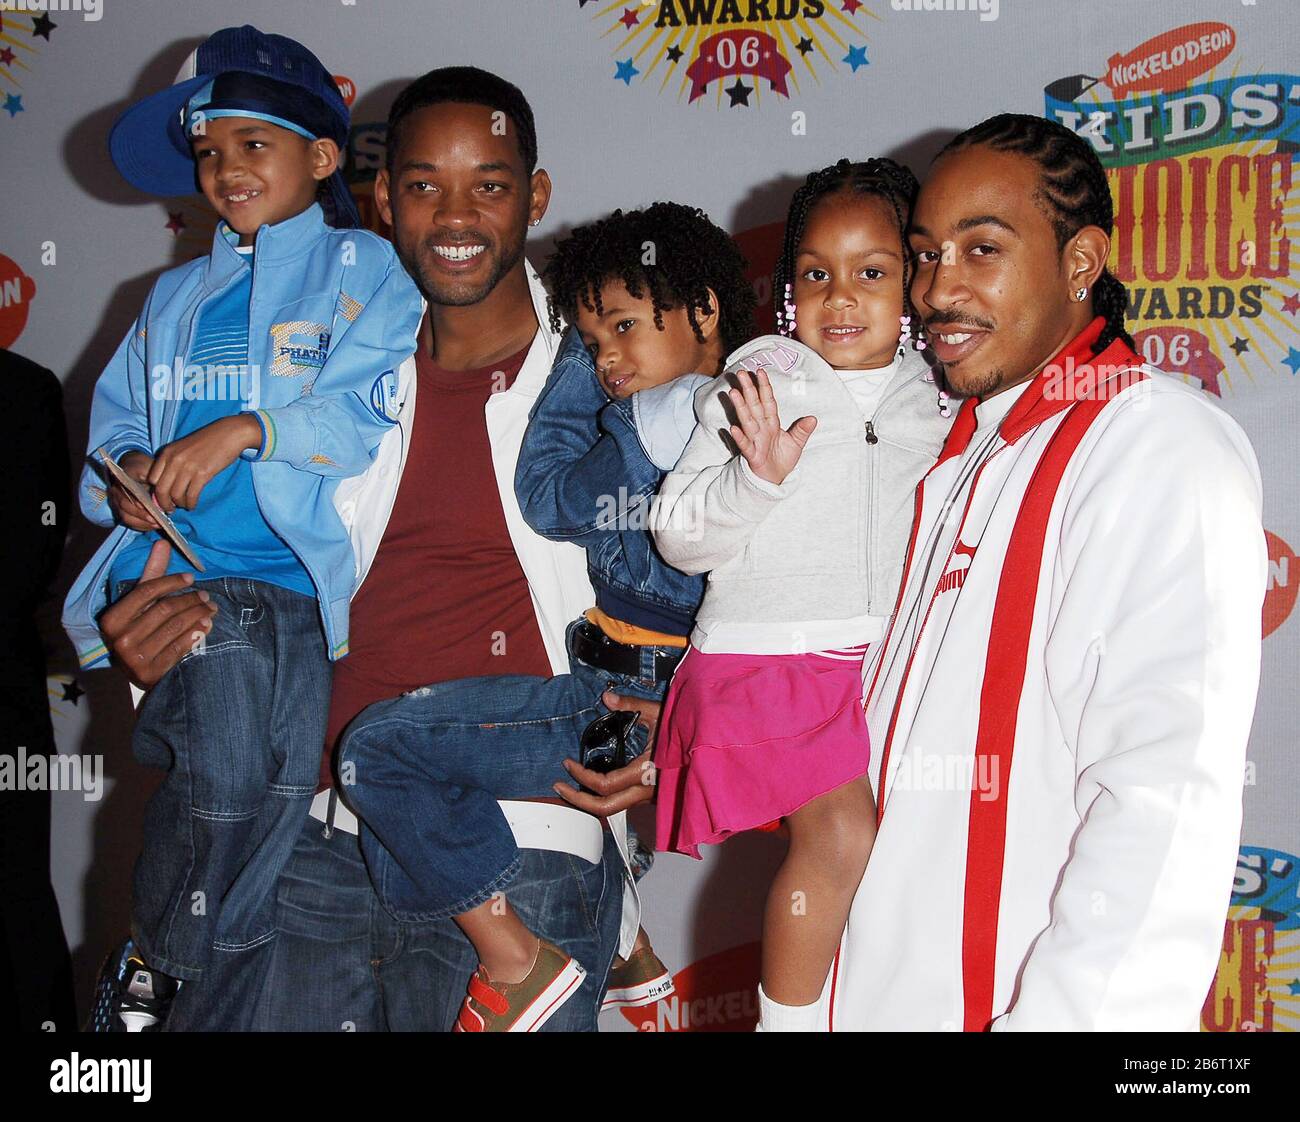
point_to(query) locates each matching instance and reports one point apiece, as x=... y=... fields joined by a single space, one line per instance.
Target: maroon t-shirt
x=445 y=597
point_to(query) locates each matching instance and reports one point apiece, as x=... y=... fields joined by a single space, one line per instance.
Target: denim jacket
x=332 y=317
x=583 y=476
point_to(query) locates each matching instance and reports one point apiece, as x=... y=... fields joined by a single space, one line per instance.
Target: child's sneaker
x=129 y=996
x=521 y=1006
x=641 y=980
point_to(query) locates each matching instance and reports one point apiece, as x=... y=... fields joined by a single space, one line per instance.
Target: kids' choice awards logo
x=1257 y=987
x=1201 y=169
x=20 y=27
x=732 y=52
x=16 y=292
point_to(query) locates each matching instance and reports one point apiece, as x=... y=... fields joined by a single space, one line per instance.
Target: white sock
x=775 y=1017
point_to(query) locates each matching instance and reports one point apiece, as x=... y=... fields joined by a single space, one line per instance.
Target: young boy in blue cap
x=253 y=381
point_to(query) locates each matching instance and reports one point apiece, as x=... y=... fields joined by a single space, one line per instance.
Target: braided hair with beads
x=1073 y=193
x=881 y=177
x=671 y=252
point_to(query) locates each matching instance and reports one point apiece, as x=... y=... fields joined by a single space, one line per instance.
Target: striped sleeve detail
x=98 y=653
x=268 y=436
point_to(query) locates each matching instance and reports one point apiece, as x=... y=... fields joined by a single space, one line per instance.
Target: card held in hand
x=141 y=495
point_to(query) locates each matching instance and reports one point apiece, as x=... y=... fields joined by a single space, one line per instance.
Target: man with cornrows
x=1062 y=701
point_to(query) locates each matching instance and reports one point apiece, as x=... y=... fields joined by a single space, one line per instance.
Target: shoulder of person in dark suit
x=36 y=497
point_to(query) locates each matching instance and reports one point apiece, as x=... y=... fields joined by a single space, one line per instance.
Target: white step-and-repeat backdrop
x=1193 y=106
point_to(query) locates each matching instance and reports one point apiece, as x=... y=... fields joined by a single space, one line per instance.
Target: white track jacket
x=1059 y=714
x=556 y=571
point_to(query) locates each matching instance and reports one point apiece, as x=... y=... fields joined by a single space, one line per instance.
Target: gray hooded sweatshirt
x=828 y=542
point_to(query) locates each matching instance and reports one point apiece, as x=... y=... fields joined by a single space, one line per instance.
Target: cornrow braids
x=880 y=177
x=670 y=251
x=1072 y=192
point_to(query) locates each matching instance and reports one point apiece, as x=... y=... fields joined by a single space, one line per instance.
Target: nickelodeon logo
x=714 y=994
x=16 y=292
x=1280 y=598
x=1171 y=59
x=347 y=89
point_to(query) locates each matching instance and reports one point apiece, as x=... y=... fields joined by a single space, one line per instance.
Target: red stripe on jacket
x=1009 y=632
x=1012 y=622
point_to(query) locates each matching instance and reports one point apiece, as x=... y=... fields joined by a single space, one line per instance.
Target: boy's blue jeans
x=424 y=772
x=340 y=962
x=239 y=726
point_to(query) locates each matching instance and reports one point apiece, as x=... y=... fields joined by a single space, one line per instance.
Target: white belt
x=561 y=829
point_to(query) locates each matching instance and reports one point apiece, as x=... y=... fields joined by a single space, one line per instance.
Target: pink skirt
x=745 y=739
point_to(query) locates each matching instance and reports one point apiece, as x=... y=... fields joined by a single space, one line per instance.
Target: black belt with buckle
x=594 y=647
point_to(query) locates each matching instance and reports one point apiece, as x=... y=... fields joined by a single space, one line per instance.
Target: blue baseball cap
x=242 y=72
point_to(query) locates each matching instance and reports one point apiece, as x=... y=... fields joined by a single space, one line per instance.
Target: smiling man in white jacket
x=1060 y=709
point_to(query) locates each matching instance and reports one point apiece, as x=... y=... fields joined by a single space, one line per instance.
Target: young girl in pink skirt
x=802 y=526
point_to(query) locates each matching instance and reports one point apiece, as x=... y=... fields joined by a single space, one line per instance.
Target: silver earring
x=534 y=222
x=1081 y=293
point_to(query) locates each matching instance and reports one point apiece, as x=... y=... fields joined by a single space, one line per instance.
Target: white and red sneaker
x=640 y=980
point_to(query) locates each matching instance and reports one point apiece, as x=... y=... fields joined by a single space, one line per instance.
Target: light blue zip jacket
x=331 y=318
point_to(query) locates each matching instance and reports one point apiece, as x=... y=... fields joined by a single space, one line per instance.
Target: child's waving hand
x=770 y=450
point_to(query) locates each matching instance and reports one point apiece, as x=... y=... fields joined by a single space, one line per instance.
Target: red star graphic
x=175 y=222
x=851 y=6
x=1292 y=303
x=6 y=57
x=630 y=18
